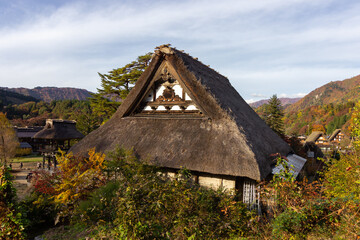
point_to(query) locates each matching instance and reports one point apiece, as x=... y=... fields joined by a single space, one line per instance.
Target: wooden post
x=43 y=166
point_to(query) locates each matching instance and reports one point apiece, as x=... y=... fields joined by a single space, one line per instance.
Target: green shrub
x=100 y=205
x=38 y=210
x=10 y=219
x=139 y=203
x=290 y=224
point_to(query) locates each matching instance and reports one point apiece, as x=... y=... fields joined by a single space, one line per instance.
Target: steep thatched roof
x=334 y=134
x=58 y=129
x=225 y=136
x=314 y=136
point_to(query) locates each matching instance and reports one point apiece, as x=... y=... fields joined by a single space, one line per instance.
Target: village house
x=339 y=140
x=56 y=134
x=183 y=114
x=25 y=136
x=320 y=140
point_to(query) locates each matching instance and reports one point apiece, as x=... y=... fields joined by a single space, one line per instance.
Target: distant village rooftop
x=58 y=129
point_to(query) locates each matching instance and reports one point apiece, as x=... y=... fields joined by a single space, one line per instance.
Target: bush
x=23 y=152
x=10 y=219
x=38 y=210
x=100 y=205
x=141 y=204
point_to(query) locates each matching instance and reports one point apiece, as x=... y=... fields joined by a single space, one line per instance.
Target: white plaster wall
x=171 y=175
x=187 y=98
x=191 y=107
x=161 y=108
x=160 y=91
x=147 y=108
x=178 y=90
x=210 y=182
x=228 y=184
x=176 y=108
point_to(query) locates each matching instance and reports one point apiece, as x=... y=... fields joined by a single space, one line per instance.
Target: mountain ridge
x=284 y=102
x=49 y=94
x=333 y=92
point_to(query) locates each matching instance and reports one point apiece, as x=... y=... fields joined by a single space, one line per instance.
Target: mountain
x=284 y=102
x=325 y=109
x=334 y=92
x=49 y=94
x=7 y=97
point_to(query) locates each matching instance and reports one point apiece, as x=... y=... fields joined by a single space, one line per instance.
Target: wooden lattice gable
x=166 y=95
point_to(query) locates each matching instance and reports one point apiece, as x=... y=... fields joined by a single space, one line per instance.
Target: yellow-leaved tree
x=8 y=140
x=342 y=178
x=78 y=177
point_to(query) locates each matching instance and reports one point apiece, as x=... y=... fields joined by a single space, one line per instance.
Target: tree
x=116 y=85
x=86 y=120
x=355 y=126
x=274 y=115
x=8 y=140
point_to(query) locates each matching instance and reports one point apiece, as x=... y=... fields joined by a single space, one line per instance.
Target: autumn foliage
x=78 y=176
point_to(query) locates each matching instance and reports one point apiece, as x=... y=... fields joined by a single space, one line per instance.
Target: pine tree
x=274 y=115
x=116 y=85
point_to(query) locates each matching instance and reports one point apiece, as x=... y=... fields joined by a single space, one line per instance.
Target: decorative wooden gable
x=167 y=95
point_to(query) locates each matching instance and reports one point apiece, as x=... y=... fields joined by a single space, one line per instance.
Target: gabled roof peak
x=165 y=48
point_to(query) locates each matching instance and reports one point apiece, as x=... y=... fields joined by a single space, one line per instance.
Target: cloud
x=258 y=95
x=250 y=100
x=294 y=95
x=264 y=47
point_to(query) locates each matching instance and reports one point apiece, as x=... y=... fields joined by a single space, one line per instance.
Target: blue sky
x=264 y=47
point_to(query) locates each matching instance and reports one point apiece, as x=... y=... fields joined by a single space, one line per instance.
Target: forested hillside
x=49 y=94
x=325 y=109
x=35 y=113
x=333 y=92
x=325 y=118
x=8 y=98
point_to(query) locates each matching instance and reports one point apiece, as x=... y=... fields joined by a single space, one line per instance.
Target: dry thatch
x=58 y=129
x=334 y=134
x=314 y=136
x=27 y=132
x=227 y=138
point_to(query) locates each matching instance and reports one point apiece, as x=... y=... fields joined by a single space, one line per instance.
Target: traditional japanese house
x=320 y=140
x=337 y=136
x=181 y=113
x=26 y=134
x=57 y=134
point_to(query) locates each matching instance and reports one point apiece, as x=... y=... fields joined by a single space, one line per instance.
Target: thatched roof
x=27 y=132
x=224 y=136
x=334 y=134
x=314 y=136
x=58 y=129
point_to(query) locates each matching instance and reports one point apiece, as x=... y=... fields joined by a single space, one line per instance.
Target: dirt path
x=23 y=188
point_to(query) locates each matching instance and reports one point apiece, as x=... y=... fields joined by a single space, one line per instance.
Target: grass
x=30 y=158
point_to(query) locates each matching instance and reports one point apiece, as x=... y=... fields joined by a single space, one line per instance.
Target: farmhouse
x=56 y=134
x=26 y=134
x=183 y=114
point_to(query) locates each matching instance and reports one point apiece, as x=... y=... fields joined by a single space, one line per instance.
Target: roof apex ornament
x=165 y=48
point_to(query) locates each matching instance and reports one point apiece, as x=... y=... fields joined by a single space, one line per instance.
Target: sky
x=264 y=47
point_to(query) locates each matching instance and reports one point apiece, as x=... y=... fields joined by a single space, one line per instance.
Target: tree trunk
x=3 y=149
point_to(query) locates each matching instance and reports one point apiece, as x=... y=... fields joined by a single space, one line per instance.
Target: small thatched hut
x=181 y=114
